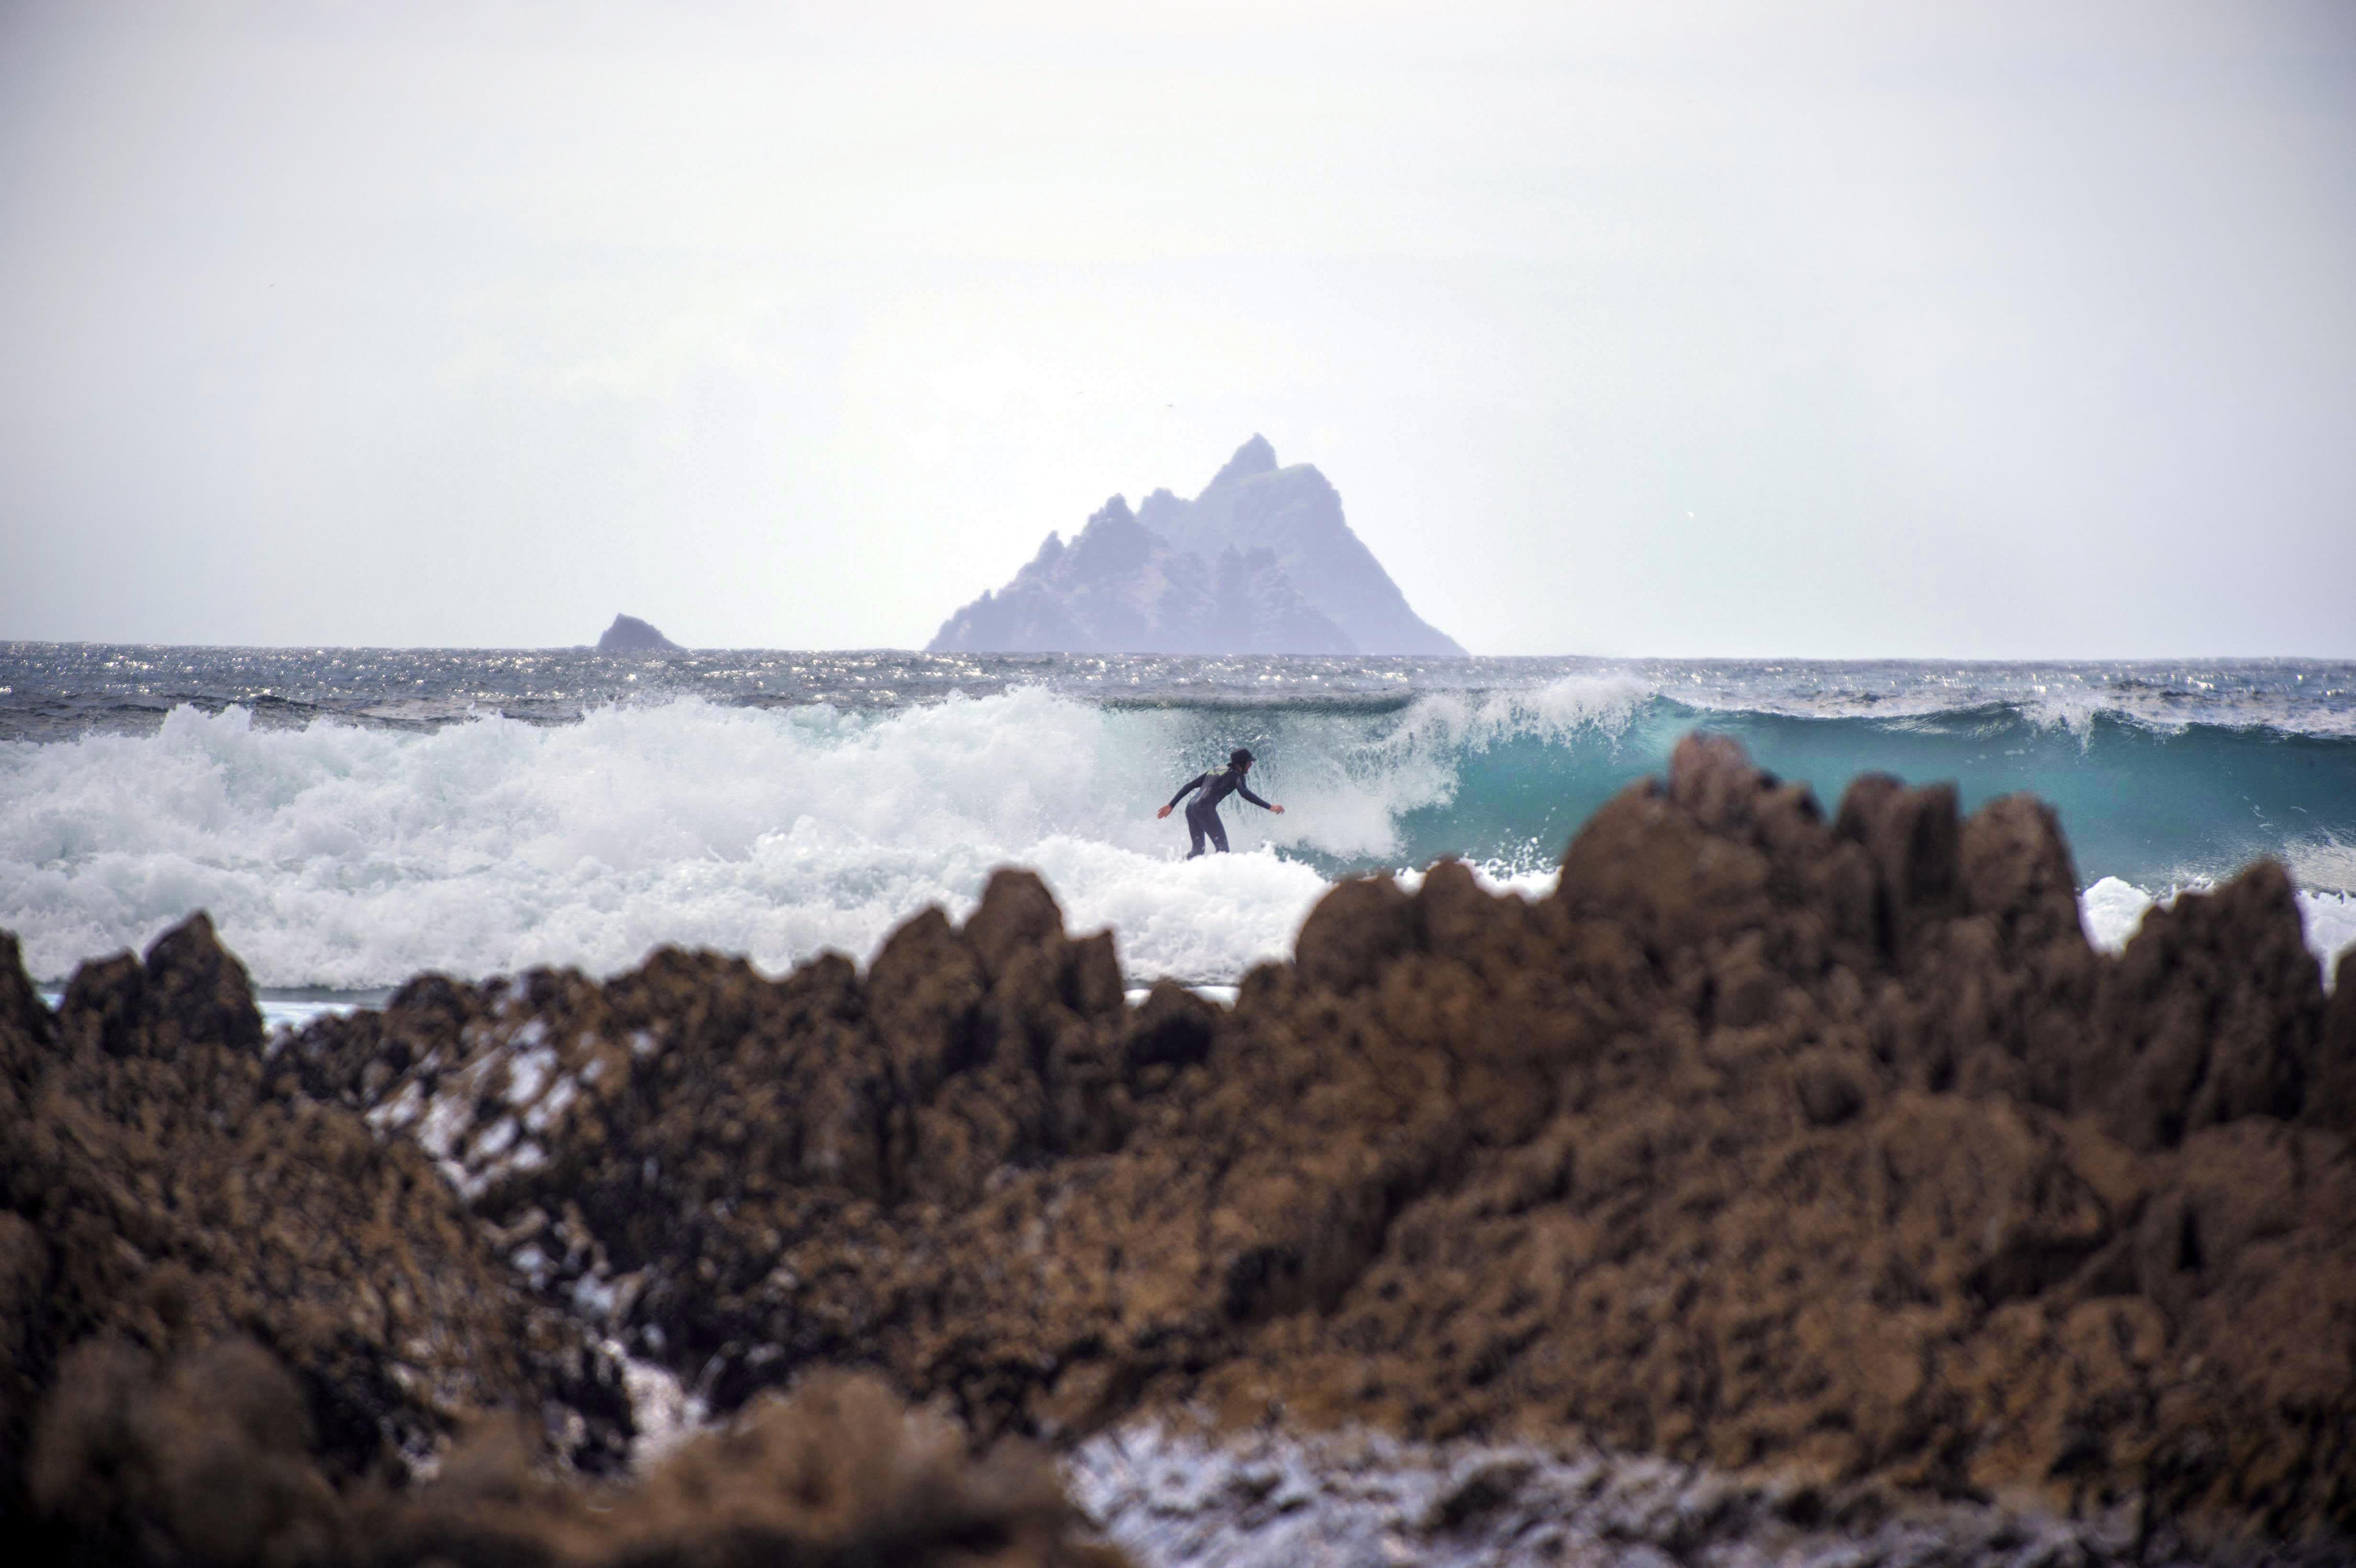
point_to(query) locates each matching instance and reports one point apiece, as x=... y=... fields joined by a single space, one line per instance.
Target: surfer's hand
x=1278 y=809
x=1161 y=814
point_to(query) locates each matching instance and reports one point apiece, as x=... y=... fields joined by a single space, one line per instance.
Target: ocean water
x=352 y=816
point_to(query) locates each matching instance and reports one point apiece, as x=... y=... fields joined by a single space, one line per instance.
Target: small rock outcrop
x=629 y=635
x=1261 y=563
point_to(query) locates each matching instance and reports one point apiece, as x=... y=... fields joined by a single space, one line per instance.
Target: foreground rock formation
x=1821 y=1150
x=163 y=1191
x=240 y=1325
x=1261 y=563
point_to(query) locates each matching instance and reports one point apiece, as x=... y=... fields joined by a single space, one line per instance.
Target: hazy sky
x=1974 y=330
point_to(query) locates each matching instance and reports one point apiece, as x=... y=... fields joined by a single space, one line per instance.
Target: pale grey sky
x=1969 y=330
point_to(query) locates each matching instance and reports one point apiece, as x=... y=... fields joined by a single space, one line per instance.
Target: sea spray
x=342 y=856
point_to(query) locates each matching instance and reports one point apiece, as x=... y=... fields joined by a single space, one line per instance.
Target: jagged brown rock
x=1767 y=1140
x=2213 y=1013
x=232 y=1312
x=209 y=1458
x=841 y=1474
x=1825 y=1147
x=161 y=1191
x=2331 y=1095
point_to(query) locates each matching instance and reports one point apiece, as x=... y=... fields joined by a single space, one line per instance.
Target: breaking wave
x=347 y=856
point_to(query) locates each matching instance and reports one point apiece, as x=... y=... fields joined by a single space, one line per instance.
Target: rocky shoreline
x=1820 y=1164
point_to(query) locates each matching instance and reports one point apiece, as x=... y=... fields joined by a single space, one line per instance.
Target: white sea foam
x=347 y=857
x=2112 y=911
x=2330 y=926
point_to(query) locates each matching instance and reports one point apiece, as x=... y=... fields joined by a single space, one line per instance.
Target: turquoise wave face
x=2155 y=807
x=2149 y=807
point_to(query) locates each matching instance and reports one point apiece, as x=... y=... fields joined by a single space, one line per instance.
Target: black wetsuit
x=1203 y=812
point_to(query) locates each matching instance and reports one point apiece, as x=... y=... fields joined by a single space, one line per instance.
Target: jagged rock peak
x=629 y=635
x=1260 y=561
x=1253 y=458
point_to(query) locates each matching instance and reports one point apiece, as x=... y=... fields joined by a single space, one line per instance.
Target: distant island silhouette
x=629 y=635
x=1260 y=562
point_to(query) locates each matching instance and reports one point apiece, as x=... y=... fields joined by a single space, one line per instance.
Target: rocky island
x=629 y=635
x=1784 y=1188
x=1261 y=563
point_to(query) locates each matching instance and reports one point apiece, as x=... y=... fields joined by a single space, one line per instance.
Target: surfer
x=1203 y=812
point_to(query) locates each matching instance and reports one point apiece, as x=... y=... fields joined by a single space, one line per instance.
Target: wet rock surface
x=1820 y=1157
x=1273 y=1499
